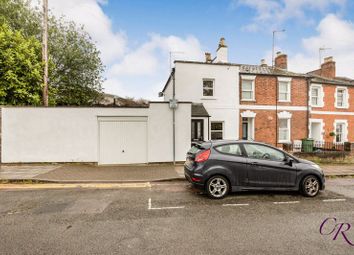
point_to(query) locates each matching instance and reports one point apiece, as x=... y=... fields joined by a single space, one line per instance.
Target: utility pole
x=320 y=53
x=273 y=46
x=45 y=52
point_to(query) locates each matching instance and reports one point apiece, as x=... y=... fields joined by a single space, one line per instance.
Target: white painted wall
x=32 y=134
x=224 y=106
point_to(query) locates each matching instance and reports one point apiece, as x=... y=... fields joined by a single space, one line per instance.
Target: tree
x=20 y=68
x=75 y=67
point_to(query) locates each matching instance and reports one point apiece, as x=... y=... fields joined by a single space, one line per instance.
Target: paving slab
x=92 y=173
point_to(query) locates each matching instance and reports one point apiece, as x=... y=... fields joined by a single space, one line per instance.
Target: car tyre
x=217 y=187
x=310 y=186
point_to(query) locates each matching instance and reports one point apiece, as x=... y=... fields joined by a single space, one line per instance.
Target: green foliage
x=20 y=68
x=75 y=67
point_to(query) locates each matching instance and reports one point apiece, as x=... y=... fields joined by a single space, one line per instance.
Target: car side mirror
x=289 y=161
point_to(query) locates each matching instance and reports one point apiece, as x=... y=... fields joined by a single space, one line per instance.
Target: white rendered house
x=213 y=85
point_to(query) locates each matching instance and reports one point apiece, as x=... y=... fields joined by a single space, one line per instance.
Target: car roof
x=220 y=142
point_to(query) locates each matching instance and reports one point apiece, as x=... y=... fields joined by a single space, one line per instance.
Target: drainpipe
x=174 y=115
x=276 y=111
x=308 y=80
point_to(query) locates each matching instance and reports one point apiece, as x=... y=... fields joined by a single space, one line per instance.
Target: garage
x=122 y=140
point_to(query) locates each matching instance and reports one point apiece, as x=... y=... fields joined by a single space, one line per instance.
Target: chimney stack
x=263 y=62
x=207 y=57
x=328 y=68
x=222 y=52
x=281 y=61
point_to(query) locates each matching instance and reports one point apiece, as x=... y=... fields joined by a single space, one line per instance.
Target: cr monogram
x=336 y=229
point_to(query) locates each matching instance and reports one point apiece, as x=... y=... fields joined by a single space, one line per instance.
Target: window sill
x=342 y=107
x=317 y=106
x=208 y=98
x=284 y=141
x=284 y=101
x=248 y=100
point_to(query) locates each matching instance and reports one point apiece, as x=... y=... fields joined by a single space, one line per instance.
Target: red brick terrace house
x=278 y=106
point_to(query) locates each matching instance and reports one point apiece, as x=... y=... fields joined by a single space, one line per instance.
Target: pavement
x=173 y=218
x=89 y=173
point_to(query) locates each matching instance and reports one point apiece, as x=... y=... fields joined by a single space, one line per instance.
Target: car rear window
x=233 y=149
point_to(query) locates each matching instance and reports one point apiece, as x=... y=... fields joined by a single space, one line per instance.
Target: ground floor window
x=217 y=130
x=284 y=130
x=340 y=132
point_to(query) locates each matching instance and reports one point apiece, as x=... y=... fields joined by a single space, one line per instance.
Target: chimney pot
x=328 y=59
x=263 y=62
x=207 y=57
x=222 y=42
x=281 y=61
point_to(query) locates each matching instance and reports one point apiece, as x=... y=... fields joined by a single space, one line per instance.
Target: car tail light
x=202 y=156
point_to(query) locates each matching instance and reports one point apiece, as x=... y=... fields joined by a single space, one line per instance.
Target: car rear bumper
x=191 y=177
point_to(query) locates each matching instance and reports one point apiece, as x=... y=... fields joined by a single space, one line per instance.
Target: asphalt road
x=172 y=218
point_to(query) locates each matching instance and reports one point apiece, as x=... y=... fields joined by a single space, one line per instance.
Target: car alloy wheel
x=311 y=186
x=217 y=187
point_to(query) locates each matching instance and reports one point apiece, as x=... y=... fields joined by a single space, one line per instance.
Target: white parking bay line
x=334 y=200
x=162 y=208
x=286 y=202
x=235 y=204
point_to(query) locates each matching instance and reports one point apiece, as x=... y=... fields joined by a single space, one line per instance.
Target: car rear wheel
x=310 y=186
x=217 y=187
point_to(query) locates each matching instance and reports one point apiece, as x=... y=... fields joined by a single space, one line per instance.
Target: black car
x=220 y=166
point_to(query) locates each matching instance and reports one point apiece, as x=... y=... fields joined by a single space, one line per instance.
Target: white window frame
x=320 y=101
x=345 y=98
x=222 y=131
x=288 y=81
x=212 y=80
x=345 y=130
x=251 y=117
x=251 y=78
x=287 y=116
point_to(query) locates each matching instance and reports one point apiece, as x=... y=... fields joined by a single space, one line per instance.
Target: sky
x=139 y=39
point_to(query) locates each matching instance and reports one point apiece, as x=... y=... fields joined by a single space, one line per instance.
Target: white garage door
x=122 y=140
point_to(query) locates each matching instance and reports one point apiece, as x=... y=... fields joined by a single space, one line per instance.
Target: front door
x=267 y=167
x=197 y=130
x=244 y=128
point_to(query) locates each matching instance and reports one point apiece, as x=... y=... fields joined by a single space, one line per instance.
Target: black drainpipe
x=308 y=80
x=276 y=112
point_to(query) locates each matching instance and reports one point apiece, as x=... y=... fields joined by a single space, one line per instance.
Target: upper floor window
x=284 y=89
x=341 y=97
x=247 y=88
x=208 y=88
x=316 y=96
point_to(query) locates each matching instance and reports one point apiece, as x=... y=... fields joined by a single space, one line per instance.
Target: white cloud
x=89 y=13
x=335 y=33
x=272 y=13
x=135 y=72
x=144 y=70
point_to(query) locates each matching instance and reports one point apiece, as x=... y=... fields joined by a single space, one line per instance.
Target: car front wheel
x=310 y=186
x=217 y=187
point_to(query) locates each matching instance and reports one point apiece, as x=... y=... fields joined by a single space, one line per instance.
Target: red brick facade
x=268 y=109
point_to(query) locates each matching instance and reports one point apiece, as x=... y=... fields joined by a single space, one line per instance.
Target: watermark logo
x=330 y=227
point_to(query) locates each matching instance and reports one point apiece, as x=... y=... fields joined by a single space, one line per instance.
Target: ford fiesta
x=219 y=167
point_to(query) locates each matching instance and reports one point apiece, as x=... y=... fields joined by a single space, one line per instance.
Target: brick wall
x=266 y=125
x=266 y=92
